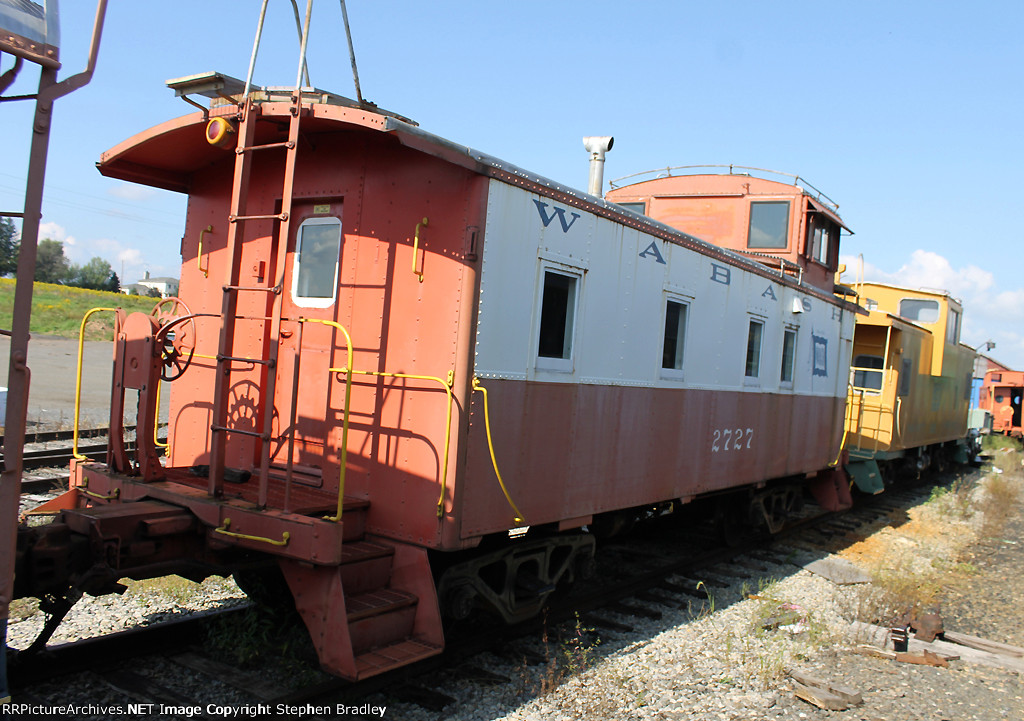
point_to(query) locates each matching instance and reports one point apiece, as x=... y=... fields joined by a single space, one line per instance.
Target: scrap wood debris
x=823 y=694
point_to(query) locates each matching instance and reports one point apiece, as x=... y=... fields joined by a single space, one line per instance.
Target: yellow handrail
x=199 y=254
x=223 y=530
x=156 y=423
x=100 y=496
x=846 y=426
x=494 y=462
x=347 y=370
x=78 y=379
x=416 y=248
x=447 y=385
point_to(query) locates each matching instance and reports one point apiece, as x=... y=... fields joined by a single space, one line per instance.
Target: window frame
x=785 y=234
x=923 y=302
x=906 y=377
x=305 y=301
x=787 y=332
x=625 y=205
x=754 y=379
x=952 y=324
x=565 y=363
x=865 y=370
x=675 y=373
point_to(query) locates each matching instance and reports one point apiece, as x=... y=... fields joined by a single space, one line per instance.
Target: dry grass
x=913 y=563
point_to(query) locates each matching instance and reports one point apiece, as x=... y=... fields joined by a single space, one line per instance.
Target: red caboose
x=415 y=378
x=1000 y=395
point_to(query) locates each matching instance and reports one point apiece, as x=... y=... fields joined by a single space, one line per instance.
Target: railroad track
x=660 y=569
x=60 y=455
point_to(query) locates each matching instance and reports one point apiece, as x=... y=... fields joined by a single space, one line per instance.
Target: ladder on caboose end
x=249 y=113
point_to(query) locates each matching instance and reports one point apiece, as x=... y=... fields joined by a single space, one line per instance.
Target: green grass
x=58 y=310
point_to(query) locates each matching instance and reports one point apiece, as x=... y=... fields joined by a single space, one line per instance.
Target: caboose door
x=306 y=408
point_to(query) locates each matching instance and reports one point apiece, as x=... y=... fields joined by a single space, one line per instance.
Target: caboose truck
x=28 y=31
x=416 y=380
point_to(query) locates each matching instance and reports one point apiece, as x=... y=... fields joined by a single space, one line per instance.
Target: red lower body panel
x=566 y=451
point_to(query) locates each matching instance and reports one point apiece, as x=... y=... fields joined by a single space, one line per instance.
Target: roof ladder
x=249 y=113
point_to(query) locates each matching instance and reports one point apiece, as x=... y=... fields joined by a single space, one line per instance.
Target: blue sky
x=907 y=114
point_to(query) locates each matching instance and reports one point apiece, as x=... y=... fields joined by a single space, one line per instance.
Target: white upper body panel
x=621 y=280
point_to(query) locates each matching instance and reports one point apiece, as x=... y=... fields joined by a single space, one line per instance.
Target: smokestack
x=597 y=146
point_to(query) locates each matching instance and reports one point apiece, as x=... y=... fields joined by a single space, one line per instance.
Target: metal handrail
x=223 y=530
x=668 y=172
x=857 y=404
x=494 y=461
x=78 y=380
x=447 y=385
x=347 y=370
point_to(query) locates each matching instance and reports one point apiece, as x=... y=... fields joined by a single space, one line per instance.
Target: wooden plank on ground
x=983 y=644
x=849 y=695
x=820 y=698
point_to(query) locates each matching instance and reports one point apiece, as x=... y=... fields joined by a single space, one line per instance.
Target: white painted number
x=728 y=439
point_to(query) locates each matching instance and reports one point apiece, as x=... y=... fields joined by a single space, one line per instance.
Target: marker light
x=221 y=132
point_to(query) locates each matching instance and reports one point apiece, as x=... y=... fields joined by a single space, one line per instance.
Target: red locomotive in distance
x=1000 y=394
x=410 y=379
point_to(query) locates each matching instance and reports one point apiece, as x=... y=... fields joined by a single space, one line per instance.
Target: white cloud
x=52 y=231
x=927 y=270
x=130 y=191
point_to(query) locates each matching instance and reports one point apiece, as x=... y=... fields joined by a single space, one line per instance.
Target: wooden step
x=401 y=653
x=376 y=603
x=365 y=566
x=379 y=618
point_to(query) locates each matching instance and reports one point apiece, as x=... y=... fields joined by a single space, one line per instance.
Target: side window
x=559 y=299
x=754 y=334
x=906 y=369
x=317 y=255
x=953 y=326
x=823 y=235
x=636 y=206
x=769 y=225
x=675 y=338
x=864 y=377
x=788 y=356
x=919 y=309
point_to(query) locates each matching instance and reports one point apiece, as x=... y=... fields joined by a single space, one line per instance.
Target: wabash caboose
x=416 y=379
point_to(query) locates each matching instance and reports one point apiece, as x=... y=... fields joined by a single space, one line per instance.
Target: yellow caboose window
x=919 y=310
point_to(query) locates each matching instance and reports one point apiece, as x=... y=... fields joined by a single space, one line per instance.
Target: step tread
x=380 y=601
x=400 y=653
x=364 y=550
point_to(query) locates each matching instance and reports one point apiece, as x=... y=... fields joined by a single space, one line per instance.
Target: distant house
x=166 y=286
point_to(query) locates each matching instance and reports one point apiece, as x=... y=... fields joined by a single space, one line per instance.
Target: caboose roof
x=168 y=156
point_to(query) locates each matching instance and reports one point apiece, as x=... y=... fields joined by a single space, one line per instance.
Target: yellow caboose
x=910 y=384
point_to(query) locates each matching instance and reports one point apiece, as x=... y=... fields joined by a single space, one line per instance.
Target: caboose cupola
x=791 y=226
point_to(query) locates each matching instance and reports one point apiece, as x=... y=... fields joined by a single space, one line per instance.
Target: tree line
x=52 y=266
